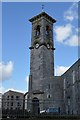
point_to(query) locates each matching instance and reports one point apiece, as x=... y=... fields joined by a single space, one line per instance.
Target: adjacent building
x=12 y=100
x=0 y=105
x=71 y=86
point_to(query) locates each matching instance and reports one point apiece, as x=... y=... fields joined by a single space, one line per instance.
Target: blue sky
x=16 y=38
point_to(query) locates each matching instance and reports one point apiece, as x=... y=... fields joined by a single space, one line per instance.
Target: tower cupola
x=42 y=31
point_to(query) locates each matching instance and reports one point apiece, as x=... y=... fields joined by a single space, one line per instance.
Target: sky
x=16 y=39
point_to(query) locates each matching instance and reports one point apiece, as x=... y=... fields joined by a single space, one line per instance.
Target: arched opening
x=35 y=106
x=38 y=30
x=47 y=30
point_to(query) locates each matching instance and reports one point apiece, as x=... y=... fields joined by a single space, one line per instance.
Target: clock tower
x=41 y=55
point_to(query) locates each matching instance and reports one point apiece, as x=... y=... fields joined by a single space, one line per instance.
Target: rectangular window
x=64 y=83
x=68 y=98
x=64 y=94
x=8 y=104
x=12 y=97
x=8 y=97
x=11 y=103
x=18 y=104
x=17 y=97
x=39 y=67
x=79 y=72
x=30 y=82
x=49 y=86
x=39 y=55
x=73 y=76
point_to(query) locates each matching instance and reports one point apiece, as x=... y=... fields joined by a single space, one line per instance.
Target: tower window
x=39 y=67
x=47 y=30
x=38 y=30
x=48 y=96
x=39 y=55
x=49 y=86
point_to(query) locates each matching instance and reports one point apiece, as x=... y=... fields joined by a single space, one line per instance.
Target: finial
x=42 y=8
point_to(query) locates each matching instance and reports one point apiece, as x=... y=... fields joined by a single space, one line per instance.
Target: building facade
x=12 y=100
x=71 y=86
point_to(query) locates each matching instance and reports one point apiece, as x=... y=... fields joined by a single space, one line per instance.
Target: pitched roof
x=42 y=14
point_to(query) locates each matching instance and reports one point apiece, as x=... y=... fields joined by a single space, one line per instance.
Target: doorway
x=35 y=106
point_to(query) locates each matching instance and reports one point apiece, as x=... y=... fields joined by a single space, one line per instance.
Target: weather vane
x=42 y=7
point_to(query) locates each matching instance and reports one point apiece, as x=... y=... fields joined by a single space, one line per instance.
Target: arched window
x=38 y=30
x=47 y=30
x=48 y=96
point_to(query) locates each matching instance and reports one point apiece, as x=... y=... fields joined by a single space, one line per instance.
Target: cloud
x=67 y=35
x=72 y=13
x=59 y=70
x=27 y=78
x=2 y=89
x=63 y=32
x=6 y=70
x=73 y=41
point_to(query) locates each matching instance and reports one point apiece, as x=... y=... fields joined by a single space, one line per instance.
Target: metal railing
x=24 y=108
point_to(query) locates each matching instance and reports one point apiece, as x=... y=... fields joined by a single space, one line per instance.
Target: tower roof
x=41 y=15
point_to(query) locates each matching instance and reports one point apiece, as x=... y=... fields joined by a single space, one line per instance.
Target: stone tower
x=42 y=55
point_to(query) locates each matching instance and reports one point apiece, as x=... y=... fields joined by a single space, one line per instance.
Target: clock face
x=37 y=45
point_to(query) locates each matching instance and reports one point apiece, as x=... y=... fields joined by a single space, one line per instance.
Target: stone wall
x=71 y=80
